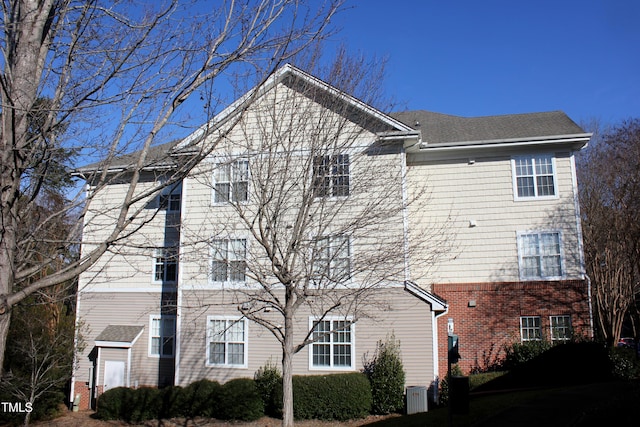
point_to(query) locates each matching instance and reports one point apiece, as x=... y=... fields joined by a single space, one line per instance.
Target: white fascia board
x=436 y=303
x=579 y=140
x=270 y=82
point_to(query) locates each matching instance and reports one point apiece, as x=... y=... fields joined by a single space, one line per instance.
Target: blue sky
x=477 y=58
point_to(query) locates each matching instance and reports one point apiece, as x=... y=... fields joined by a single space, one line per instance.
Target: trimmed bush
x=267 y=379
x=200 y=399
x=331 y=397
x=130 y=405
x=240 y=400
x=386 y=375
x=520 y=353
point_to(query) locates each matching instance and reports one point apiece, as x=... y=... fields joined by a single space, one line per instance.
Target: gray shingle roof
x=439 y=128
x=120 y=333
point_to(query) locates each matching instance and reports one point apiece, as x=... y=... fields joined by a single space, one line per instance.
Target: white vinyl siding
x=226 y=342
x=455 y=193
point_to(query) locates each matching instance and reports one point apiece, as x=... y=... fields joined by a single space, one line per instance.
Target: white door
x=113 y=374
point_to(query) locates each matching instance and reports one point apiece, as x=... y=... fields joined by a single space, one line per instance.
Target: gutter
x=583 y=139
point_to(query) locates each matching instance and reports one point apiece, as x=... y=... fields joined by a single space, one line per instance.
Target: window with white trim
x=561 y=328
x=534 y=177
x=170 y=198
x=331 y=175
x=228 y=260
x=162 y=332
x=540 y=255
x=231 y=182
x=530 y=329
x=165 y=265
x=226 y=341
x=332 y=346
x=332 y=258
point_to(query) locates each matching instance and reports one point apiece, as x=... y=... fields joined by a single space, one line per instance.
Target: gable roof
x=119 y=336
x=293 y=76
x=448 y=130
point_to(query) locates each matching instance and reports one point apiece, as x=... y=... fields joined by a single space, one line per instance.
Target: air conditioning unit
x=416 y=399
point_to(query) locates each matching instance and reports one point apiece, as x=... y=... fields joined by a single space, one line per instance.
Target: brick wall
x=486 y=316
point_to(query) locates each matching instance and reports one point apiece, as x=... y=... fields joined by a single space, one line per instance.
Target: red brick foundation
x=81 y=388
x=486 y=316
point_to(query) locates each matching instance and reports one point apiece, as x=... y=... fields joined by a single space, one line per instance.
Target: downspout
x=405 y=216
x=176 y=371
x=576 y=203
x=436 y=364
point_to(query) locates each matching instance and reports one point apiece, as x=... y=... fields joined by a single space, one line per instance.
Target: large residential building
x=410 y=226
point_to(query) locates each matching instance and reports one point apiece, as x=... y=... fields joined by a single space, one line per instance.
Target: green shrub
x=520 y=353
x=443 y=395
x=171 y=402
x=240 y=400
x=331 y=397
x=200 y=399
x=268 y=378
x=114 y=403
x=386 y=375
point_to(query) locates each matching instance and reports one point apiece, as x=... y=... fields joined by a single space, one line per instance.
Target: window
x=534 y=177
x=231 y=182
x=170 y=198
x=162 y=335
x=226 y=341
x=333 y=344
x=331 y=175
x=540 y=255
x=561 y=328
x=228 y=262
x=332 y=259
x=165 y=266
x=530 y=328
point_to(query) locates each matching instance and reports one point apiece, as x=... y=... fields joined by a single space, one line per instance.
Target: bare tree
x=609 y=179
x=318 y=191
x=41 y=349
x=117 y=76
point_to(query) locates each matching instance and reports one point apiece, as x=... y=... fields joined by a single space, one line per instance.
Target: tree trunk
x=287 y=373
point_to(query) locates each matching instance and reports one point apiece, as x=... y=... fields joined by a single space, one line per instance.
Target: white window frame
x=233 y=181
x=530 y=328
x=170 y=199
x=534 y=175
x=332 y=343
x=162 y=335
x=161 y=257
x=334 y=176
x=544 y=275
x=567 y=329
x=227 y=260
x=245 y=341
x=326 y=257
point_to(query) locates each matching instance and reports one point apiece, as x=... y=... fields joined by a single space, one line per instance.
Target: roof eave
x=576 y=141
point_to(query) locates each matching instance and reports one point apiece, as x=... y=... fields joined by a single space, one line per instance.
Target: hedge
x=331 y=397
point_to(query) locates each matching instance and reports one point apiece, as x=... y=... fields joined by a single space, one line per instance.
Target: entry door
x=113 y=374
